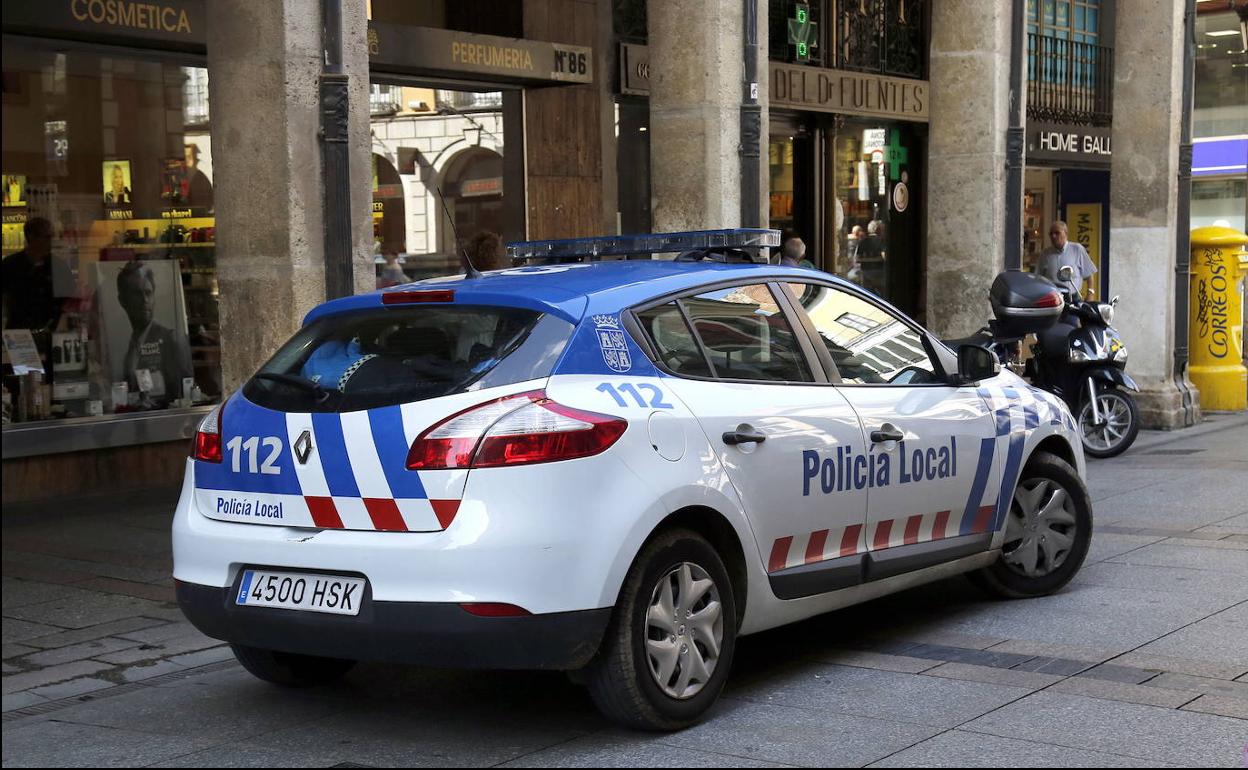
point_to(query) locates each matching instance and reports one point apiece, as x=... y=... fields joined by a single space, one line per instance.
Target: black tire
x=1133 y=427
x=619 y=678
x=290 y=669
x=1001 y=579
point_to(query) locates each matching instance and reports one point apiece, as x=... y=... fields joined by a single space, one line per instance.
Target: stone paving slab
x=73 y=687
x=882 y=662
x=85 y=569
x=64 y=744
x=958 y=748
x=119 y=628
x=1124 y=692
x=1106 y=545
x=1004 y=676
x=1118 y=572
x=191 y=641
x=1221 y=705
x=1145 y=732
x=794 y=736
x=1160 y=663
x=156 y=593
x=17 y=650
x=1218 y=640
x=97 y=648
x=23 y=593
x=15 y=630
x=52 y=674
x=82 y=611
x=618 y=750
x=889 y=695
x=1189 y=557
x=1044 y=649
x=1202 y=684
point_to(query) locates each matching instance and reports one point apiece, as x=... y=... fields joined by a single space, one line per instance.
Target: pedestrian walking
x=1065 y=252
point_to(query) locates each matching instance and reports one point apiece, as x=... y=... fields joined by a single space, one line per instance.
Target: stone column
x=264 y=63
x=696 y=55
x=1148 y=88
x=969 y=113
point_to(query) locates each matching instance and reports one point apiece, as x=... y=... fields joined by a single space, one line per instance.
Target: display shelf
x=161 y=246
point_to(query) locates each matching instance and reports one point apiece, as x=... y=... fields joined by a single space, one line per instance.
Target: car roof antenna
x=470 y=270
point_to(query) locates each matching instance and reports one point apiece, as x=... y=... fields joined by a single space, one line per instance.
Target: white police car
x=613 y=467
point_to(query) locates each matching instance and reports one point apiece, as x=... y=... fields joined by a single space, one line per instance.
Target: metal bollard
x=1215 y=336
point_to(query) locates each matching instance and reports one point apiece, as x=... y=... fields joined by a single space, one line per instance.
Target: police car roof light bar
x=711 y=241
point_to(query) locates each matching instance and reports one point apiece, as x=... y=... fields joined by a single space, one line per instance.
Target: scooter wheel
x=1120 y=424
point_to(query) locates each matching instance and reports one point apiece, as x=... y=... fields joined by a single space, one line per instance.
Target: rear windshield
x=375 y=358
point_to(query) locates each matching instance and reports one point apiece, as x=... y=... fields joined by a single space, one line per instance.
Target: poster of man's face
x=117 y=183
x=143 y=327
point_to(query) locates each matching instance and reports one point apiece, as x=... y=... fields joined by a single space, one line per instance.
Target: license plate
x=301 y=591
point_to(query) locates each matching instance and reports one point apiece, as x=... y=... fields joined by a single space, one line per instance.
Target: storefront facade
x=1220 y=118
x=112 y=320
x=1070 y=66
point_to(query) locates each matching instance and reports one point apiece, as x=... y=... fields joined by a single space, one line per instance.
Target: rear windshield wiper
x=294 y=380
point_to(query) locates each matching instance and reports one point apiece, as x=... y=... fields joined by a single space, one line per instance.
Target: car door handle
x=886 y=432
x=734 y=437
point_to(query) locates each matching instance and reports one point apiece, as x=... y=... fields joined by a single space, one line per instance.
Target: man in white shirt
x=1066 y=252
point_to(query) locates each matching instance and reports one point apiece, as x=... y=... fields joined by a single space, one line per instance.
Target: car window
x=745 y=335
x=868 y=344
x=369 y=359
x=673 y=339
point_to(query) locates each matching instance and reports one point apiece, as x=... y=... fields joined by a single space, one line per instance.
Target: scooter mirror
x=1066 y=272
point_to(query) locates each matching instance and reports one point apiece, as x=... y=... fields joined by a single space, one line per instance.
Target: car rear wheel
x=669 y=647
x=290 y=669
x=1047 y=532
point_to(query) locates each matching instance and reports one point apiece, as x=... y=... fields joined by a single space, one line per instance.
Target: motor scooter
x=1078 y=355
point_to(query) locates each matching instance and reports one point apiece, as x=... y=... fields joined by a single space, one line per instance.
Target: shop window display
x=109 y=272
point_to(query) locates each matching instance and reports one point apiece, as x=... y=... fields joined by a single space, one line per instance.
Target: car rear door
x=936 y=497
x=790 y=443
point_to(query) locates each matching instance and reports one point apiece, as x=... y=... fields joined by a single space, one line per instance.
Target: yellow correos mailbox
x=1215 y=334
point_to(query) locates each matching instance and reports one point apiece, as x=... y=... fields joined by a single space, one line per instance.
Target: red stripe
x=385 y=514
x=324 y=512
x=780 y=554
x=983 y=517
x=882 y=531
x=912 y=529
x=814 y=549
x=445 y=510
x=849 y=541
x=938 y=529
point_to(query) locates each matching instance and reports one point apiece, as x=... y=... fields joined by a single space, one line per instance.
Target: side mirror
x=976 y=363
x=1066 y=272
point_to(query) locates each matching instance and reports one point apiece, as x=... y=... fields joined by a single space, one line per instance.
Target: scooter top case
x=1024 y=303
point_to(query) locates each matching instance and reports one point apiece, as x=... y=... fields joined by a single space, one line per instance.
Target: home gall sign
x=1076 y=145
x=855 y=93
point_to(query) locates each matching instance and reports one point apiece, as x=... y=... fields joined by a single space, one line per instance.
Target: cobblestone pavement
x=1141 y=661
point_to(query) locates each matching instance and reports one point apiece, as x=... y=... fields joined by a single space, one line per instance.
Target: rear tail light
x=494 y=610
x=208 y=437
x=1052 y=299
x=518 y=430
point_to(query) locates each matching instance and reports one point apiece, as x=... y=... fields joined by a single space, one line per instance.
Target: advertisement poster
x=1084 y=226
x=142 y=315
x=117 y=184
x=174 y=185
x=14 y=190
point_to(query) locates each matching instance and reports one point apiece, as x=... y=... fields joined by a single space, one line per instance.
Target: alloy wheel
x=1115 y=422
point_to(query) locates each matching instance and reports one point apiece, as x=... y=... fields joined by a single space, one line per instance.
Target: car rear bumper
x=420 y=633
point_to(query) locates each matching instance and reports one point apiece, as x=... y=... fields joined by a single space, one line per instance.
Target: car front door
x=933 y=496
x=789 y=442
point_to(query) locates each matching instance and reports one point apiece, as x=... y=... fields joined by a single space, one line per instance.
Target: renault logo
x=303 y=447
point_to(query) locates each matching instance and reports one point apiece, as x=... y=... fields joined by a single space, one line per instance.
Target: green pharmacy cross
x=803 y=33
x=895 y=155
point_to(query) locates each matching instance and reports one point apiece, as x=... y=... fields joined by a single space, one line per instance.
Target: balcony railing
x=466 y=101
x=384 y=100
x=1069 y=82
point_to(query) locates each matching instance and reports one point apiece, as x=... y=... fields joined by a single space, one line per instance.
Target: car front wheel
x=670 y=643
x=1047 y=532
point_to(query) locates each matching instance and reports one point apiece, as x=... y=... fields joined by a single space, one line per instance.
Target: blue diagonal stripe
x=1009 y=478
x=987 y=447
x=392 y=448
x=334 y=458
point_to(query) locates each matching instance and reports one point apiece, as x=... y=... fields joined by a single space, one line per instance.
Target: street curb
x=1212 y=423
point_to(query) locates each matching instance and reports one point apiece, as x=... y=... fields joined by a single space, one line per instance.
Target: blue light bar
x=656 y=243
